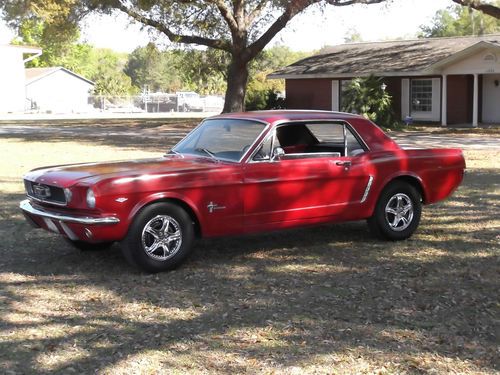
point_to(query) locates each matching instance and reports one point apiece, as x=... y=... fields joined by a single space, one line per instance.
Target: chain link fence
x=155 y=103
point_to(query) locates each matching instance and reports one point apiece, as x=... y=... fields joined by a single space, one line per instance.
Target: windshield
x=224 y=139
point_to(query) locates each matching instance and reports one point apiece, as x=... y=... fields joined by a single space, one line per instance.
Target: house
x=437 y=80
x=12 y=80
x=57 y=90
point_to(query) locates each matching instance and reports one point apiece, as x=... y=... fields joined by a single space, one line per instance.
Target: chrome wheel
x=399 y=212
x=161 y=237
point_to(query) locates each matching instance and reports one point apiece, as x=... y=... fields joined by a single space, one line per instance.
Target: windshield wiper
x=208 y=152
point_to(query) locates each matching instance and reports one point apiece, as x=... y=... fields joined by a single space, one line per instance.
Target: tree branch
x=227 y=15
x=293 y=8
x=256 y=11
x=341 y=3
x=221 y=44
x=489 y=9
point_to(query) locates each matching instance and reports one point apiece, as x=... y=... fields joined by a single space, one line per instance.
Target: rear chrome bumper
x=26 y=206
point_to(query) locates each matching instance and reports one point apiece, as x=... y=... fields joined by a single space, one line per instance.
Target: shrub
x=367 y=97
x=264 y=99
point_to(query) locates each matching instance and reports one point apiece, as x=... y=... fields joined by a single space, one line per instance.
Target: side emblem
x=214 y=206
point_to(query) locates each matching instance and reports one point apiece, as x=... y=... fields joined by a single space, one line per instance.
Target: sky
x=308 y=31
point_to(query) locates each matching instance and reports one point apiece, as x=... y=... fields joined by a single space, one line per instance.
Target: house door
x=491 y=98
x=460 y=98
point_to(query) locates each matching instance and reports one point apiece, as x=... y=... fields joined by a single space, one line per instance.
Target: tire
x=87 y=246
x=159 y=239
x=397 y=213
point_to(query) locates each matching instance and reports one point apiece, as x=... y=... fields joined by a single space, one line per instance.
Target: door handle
x=344 y=163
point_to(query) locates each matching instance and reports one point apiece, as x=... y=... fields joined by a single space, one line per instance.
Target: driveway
x=431 y=140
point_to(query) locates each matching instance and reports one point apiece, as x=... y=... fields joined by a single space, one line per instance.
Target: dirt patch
x=330 y=299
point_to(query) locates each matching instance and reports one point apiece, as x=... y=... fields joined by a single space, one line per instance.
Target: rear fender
x=409 y=177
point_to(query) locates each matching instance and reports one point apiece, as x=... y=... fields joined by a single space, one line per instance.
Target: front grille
x=45 y=193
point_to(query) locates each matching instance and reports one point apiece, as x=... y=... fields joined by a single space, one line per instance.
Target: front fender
x=158 y=197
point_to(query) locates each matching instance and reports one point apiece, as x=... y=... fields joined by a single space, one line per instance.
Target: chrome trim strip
x=271 y=134
x=55 y=203
x=311 y=155
x=367 y=189
x=26 y=206
x=357 y=136
x=68 y=231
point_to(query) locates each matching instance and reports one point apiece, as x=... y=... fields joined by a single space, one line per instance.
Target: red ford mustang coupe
x=243 y=173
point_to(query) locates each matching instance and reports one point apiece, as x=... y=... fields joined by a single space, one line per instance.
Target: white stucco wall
x=12 y=79
x=485 y=61
x=59 y=92
x=491 y=98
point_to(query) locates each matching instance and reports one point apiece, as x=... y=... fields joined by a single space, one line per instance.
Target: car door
x=302 y=187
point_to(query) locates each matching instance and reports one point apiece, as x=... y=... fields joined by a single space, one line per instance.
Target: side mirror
x=278 y=153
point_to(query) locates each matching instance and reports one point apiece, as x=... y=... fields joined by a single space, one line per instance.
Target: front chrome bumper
x=26 y=206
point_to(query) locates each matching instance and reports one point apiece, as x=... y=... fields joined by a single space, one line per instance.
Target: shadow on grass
x=146 y=135
x=279 y=300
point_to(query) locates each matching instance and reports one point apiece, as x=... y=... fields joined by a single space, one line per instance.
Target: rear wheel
x=397 y=213
x=160 y=238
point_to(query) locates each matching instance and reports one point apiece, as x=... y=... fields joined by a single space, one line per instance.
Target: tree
x=148 y=66
x=460 y=21
x=241 y=28
x=108 y=75
x=59 y=44
x=492 y=10
x=203 y=71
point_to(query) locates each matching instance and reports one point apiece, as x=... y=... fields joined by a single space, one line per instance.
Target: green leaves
x=367 y=96
x=148 y=66
x=460 y=21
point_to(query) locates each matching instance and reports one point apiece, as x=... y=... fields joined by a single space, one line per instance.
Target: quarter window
x=421 y=95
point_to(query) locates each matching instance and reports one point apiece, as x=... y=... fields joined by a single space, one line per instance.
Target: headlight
x=68 y=194
x=90 y=198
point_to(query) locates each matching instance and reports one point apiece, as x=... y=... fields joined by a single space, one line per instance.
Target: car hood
x=91 y=173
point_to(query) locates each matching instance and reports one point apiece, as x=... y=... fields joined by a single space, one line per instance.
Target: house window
x=421 y=95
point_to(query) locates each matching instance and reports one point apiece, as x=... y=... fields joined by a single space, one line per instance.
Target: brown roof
x=381 y=58
x=33 y=74
x=28 y=49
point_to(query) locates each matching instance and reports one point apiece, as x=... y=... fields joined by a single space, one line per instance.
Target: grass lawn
x=329 y=299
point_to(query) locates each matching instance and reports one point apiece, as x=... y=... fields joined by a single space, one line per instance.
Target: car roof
x=288 y=115
x=371 y=134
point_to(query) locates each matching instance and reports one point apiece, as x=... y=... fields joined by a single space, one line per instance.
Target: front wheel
x=397 y=213
x=160 y=238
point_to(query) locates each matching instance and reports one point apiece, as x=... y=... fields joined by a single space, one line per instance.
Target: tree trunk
x=237 y=78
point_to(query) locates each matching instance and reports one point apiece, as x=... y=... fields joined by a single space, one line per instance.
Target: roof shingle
x=379 y=58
